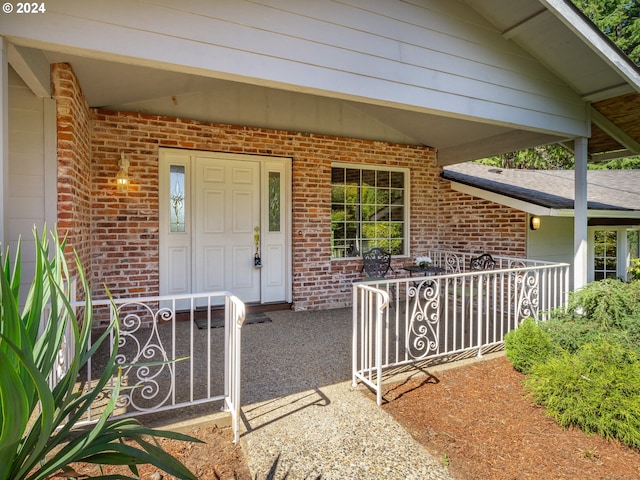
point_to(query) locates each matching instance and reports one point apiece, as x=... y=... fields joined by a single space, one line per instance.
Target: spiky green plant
x=37 y=435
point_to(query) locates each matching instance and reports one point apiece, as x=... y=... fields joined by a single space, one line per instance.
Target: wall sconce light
x=534 y=222
x=122 y=178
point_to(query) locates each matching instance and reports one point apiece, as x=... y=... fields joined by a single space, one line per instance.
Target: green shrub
x=36 y=420
x=528 y=345
x=608 y=309
x=610 y=303
x=597 y=389
x=634 y=269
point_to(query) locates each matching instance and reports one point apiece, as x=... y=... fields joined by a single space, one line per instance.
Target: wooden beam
x=614 y=131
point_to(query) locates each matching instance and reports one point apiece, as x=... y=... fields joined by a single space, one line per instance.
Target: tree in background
x=620 y=21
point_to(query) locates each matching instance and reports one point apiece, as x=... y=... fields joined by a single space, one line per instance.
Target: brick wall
x=124 y=228
x=470 y=224
x=73 y=136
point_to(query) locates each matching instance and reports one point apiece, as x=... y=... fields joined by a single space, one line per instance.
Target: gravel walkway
x=302 y=419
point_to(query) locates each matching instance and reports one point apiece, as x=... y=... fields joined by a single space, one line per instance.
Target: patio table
x=424 y=270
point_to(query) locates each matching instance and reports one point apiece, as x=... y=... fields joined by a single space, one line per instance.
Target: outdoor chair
x=483 y=262
x=476 y=264
x=376 y=264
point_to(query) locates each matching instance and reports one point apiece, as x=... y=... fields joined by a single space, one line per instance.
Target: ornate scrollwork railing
x=422 y=331
x=145 y=364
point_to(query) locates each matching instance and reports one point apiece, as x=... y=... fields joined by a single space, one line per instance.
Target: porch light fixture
x=534 y=222
x=122 y=178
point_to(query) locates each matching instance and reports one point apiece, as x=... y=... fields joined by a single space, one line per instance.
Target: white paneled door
x=224 y=225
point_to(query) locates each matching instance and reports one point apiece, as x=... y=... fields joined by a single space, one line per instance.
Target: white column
x=4 y=139
x=580 y=259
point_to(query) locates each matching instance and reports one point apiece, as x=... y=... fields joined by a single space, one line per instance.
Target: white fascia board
x=534 y=209
x=595 y=40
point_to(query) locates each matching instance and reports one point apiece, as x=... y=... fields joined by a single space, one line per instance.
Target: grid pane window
x=605 y=257
x=367 y=210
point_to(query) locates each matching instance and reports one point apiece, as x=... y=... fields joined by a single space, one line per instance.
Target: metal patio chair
x=376 y=264
x=483 y=262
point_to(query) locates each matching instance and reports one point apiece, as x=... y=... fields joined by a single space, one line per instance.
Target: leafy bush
x=528 y=345
x=37 y=438
x=596 y=389
x=611 y=303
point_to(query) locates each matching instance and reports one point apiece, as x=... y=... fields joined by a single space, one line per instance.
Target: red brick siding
x=73 y=137
x=124 y=227
x=470 y=224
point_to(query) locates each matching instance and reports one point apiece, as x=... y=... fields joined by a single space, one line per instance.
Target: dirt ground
x=475 y=419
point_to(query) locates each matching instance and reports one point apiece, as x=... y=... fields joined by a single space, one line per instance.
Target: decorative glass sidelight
x=177 y=197
x=274 y=201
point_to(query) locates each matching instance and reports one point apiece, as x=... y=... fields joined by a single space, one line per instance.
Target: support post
x=580 y=215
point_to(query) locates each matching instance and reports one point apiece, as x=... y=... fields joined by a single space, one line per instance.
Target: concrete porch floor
x=300 y=410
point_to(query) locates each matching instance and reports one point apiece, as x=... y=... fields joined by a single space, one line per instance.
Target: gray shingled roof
x=606 y=189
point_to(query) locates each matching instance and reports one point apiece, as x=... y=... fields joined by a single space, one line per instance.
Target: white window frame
x=622 y=254
x=407 y=200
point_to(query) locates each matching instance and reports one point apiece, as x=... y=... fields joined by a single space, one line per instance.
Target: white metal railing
x=167 y=361
x=445 y=316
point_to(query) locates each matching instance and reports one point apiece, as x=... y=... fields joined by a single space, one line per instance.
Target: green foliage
x=618 y=20
x=597 y=390
x=608 y=309
x=528 y=345
x=583 y=363
x=549 y=157
x=37 y=438
x=634 y=269
x=629 y=163
x=610 y=302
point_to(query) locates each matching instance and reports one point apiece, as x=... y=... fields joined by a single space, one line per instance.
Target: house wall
x=31 y=199
x=122 y=228
x=74 y=165
x=470 y=224
x=125 y=226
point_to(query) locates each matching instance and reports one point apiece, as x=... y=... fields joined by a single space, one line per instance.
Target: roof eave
x=534 y=208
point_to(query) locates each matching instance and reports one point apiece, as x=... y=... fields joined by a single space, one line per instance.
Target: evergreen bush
x=528 y=345
x=583 y=363
x=597 y=389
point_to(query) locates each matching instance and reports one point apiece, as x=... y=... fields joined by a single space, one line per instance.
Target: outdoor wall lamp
x=122 y=178
x=534 y=222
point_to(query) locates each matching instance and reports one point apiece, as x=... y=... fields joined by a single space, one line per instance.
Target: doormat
x=219 y=322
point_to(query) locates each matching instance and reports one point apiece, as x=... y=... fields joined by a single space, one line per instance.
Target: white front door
x=217 y=211
x=226 y=211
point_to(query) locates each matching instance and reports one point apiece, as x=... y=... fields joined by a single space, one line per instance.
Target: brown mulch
x=476 y=419
x=216 y=459
x=479 y=421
